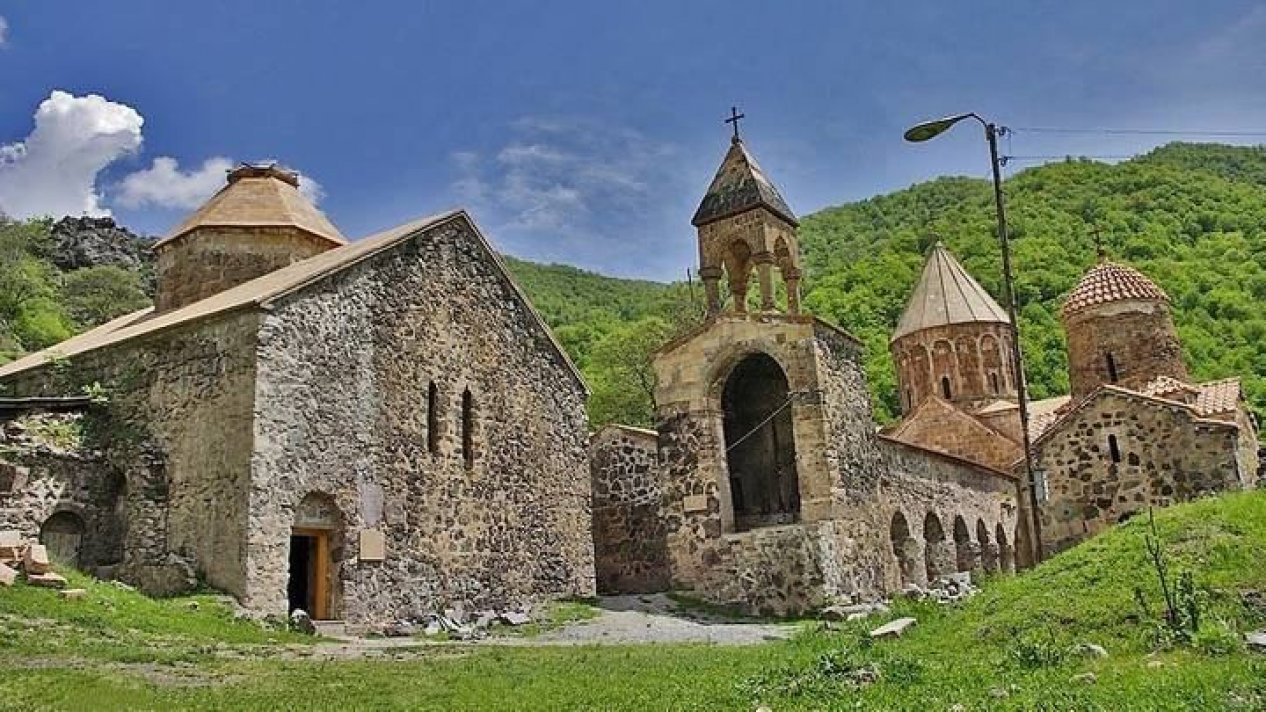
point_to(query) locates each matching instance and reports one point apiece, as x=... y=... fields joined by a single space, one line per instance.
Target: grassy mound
x=1011 y=647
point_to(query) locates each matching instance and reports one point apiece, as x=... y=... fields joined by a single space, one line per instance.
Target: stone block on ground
x=73 y=594
x=1090 y=650
x=10 y=546
x=514 y=618
x=7 y=575
x=47 y=580
x=1256 y=641
x=892 y=629
x=36 y=560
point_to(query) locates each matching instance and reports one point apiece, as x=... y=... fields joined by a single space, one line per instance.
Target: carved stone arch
x=945 y=368
x=758 y=436
x=966 y=553
x=968 y=362
x=906 y=549
x=1006 y=552
x=992 y=362
x=988 y=548
x=63 y=535
x=936 y=552
x=737 y=260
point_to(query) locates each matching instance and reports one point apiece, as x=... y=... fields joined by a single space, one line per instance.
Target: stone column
x=791 y=277
x=938 y=559
x=989 y=557
x=711 y=277
x=909 y=554
x=738 y=290
x=764 y=270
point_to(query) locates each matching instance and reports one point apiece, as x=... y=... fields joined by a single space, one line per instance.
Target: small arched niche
x=63 y=535
x=760 y=448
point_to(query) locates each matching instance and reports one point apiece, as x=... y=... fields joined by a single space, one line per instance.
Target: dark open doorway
x=308 y=586
x=760 y=444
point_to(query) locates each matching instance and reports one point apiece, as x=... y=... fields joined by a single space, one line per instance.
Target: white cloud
x=164 y=185
x=53 y=171
x=4 y=31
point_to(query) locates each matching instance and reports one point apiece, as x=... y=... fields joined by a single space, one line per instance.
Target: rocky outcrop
x=92 y=242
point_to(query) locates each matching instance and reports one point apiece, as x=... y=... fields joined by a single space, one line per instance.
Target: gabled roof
x=947 y=294
x=738 y=186
x=263 y=291
x=1212 y=398
x=259 y=196
x=1065 y=415
x=1111 y=282
x=1045 y=413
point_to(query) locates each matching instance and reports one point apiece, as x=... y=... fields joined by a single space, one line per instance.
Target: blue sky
x=584 y=132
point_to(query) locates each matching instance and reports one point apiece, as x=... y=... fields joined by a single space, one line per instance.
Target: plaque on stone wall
x=696 y=503
x=373 y=545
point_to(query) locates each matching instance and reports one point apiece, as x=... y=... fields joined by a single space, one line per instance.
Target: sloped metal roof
x=947 y=294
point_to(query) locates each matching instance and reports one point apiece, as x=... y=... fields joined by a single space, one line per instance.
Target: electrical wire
x=1138 y=132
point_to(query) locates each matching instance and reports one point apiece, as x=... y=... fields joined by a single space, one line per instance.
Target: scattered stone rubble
x=456 y=623
x=30 y=561
x=1256 y=641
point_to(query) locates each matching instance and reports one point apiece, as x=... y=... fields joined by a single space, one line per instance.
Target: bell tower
x=745 y=226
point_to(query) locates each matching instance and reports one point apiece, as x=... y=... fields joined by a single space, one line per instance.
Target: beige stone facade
x=376 y=432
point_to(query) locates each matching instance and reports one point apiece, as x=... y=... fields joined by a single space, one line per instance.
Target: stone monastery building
x=380 y=429
x=366 y=430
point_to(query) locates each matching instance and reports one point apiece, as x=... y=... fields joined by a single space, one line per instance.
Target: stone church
x=1135 y=431
x=765 y=484
x=367 y=430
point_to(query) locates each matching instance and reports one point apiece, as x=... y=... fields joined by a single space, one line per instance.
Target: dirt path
x=621 y=620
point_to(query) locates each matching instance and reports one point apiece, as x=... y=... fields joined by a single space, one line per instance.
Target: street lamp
x=929 y=130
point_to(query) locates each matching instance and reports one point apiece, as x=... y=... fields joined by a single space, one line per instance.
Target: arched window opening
x=1112 y=368
x=988 y=549
x=945 y=387
x=909 y=398
x=433 y=419
x=966 y=555
x=1006 y=552
x=468 y=428
x=1114 y=449
x=760 y=444
x=993 y=383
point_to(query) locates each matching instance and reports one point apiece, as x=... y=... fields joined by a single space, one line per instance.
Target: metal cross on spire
x=734 y=119
x=1100 y=251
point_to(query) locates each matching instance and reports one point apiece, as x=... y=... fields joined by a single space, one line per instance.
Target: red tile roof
x=1111 y=282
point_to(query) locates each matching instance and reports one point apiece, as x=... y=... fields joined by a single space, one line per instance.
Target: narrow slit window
x=945 y=387
x=1112 y=368
x=1114 y=449
x=433 y=418
x=468 y=427
x=993 y=382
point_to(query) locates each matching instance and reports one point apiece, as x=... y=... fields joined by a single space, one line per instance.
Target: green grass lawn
x=1007 y=648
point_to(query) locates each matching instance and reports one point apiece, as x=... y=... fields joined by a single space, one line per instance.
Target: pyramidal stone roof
x=740 y=185
x=947 y=294
x=259 y=196
x=1111 y=282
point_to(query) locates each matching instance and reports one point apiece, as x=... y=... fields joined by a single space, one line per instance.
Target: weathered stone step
x=330 y=629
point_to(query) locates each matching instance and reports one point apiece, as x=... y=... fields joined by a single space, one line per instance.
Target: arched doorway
x=935 y=551
x=966 y=556
x=63 y=535
x=760 y=444
x=316 y=544
x=905 y=548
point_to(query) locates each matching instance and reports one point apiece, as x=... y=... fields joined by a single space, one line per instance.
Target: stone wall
x=345 y=369
x=630 y=548
x=1165 y=455
x=1139 y=336
x=210 y=260
x=178 y=426
x=39 y=480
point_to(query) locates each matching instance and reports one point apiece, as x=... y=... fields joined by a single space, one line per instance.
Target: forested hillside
x=1191 y=216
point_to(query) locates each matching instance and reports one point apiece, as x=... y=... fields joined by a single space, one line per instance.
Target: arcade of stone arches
x=930 y=553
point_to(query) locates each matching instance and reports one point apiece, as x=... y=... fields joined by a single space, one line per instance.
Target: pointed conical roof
x=1111 y=282
x=260 y=196
x=740 y=185
x=947 y=294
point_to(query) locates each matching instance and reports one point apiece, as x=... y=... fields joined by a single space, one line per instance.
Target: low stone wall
x=630 y=545
x=72 y=490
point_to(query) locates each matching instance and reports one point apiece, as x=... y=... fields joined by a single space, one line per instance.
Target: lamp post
x=929 y=130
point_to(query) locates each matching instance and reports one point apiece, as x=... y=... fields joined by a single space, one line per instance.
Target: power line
x=1139 y=132
x=1069 y=156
